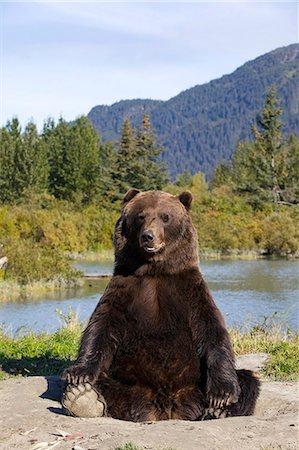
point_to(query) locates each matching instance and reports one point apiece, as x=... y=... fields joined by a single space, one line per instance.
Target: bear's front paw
x=220 y=396
x=78 y=374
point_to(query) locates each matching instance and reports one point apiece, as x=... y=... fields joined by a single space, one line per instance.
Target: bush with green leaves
x=29 y=262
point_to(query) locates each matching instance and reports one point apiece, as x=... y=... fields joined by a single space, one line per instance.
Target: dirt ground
x=31 y=418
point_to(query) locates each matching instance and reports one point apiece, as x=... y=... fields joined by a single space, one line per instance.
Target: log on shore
x=97 y=276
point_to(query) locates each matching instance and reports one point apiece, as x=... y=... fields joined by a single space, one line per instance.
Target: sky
x=63 y=58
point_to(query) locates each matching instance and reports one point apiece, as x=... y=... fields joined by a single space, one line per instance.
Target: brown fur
x=156 y=346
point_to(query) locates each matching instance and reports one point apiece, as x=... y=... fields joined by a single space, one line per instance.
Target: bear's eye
x=165 y=217
x=140 y=218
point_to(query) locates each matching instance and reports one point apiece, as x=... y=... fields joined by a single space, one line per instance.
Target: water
x=245 y=292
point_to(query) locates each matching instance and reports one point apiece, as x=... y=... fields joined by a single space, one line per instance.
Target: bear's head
x=155 y=234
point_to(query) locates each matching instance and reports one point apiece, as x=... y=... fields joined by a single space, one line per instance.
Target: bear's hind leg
x=250 y=389
x=83 y=400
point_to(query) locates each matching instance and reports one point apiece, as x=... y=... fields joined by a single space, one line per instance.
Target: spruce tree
x=137 y=164
x=125 y=159
x=74 y=159
x=31 y=166
x=83 y=159
x=288 y=170
x=7 y=165
x=221 y=176
x=56 y=139
x=268 y=141
x=153 y=174
x=256 y=164
x=108 y=188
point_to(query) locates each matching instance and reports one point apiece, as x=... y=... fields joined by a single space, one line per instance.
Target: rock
x=252 y=361
x=3 y=262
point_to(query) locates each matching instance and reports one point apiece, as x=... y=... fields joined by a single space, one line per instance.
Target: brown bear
x=156 y=346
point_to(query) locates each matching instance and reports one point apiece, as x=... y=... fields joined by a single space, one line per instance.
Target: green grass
x=40 y=354
x=128 y=446
x=48 y=354
x=281 y=347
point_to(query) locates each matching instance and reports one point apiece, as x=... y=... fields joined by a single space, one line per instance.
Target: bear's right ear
x=186 y=198
x=130 y=194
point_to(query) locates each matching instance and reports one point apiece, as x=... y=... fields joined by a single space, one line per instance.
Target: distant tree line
x=69 y=161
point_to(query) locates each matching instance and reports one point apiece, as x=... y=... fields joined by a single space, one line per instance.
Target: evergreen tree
x=31 y=166
x=222 y=175
x=184 y=179
x=74 y=159
x=151 y=172
x=136 y=162
x=288 y=170
x=83 y=160
x=7 y=164
x=257 y=165
x=108 y=187
x=125 y=159
x=56 y=138
x=268 y=138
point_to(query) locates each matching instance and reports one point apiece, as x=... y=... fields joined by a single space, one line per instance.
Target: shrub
x=28 y=262
x=280 y=235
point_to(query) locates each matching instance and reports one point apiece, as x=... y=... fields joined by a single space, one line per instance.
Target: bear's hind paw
x=83 y=401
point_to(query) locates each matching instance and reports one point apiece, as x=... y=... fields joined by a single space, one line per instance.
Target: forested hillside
x=201 y=126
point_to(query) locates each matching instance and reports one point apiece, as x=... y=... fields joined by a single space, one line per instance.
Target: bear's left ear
x=186 y=198
x=130 y=194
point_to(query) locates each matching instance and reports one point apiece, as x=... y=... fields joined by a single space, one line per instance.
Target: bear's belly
x=165 y=362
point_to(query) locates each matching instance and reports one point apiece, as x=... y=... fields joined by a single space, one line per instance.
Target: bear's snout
x=151 y=241
x=147 y=236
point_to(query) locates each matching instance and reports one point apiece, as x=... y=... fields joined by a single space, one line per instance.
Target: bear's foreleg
x=98 y=346
x=214 y=349
x=222 y=387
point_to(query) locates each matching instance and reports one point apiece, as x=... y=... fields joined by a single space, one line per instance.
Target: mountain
x=201 y=126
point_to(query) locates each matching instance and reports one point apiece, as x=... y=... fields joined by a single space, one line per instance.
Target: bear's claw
x=214 y=413
x=83 y=401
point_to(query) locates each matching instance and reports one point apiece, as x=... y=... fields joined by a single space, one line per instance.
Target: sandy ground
x=31 y=418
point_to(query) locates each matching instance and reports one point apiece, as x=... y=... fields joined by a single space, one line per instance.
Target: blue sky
x=63 y=58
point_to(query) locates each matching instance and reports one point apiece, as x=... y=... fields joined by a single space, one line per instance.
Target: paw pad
x=83 y=401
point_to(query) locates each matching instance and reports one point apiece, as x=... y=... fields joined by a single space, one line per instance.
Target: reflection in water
x=245 y=291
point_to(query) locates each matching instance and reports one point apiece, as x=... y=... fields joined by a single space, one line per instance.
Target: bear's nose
x=148 y=236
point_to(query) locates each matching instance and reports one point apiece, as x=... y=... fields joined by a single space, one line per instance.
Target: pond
x=244 y=290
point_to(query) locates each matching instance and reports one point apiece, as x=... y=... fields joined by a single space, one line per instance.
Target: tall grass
x=279 y=342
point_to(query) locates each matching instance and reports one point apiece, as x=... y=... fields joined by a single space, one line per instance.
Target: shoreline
x=11 y=290
x=108 y=255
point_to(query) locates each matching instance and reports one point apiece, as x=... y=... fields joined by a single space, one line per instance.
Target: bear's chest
x=158 y=304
